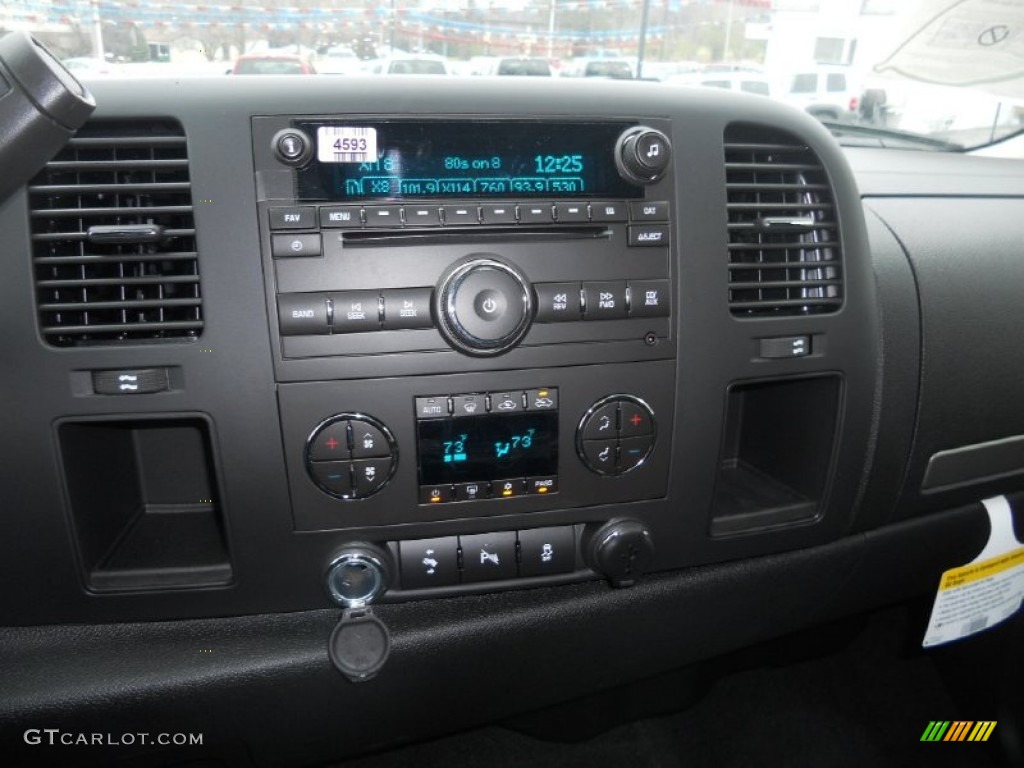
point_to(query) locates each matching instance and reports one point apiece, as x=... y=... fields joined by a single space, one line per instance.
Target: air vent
x=114 y=244
x=784 y=242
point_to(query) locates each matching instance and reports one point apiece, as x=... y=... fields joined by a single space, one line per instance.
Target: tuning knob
x=642 y=155
x=620 y=551
x=484 y=306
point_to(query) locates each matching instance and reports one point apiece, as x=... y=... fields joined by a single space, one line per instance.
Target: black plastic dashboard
x=826 y=323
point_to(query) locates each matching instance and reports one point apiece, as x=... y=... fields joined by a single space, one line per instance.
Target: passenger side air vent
x=113 y=237
x=784 y=242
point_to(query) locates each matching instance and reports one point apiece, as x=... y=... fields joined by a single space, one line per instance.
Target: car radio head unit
x=409 y=160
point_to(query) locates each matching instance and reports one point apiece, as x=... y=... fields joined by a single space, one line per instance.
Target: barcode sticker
x=346 y=144
x=987 y=590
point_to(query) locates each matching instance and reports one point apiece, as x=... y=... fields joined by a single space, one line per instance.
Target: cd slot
x=474 y=234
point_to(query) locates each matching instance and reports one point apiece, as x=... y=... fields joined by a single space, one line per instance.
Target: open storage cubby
x=777 y=454
x=144 y=503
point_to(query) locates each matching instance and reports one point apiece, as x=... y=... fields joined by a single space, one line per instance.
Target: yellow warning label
x=957 y=577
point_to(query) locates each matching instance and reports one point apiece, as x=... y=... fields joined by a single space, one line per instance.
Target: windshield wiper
x=888 y=137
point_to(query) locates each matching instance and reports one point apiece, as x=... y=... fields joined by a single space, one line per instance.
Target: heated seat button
x=602 y=424
x=334 y=477
x=406 y=308
x=488 y=556
x=330 y=443
x=601 y=455
x=370 y=475
x=355 y=311
x=649 y=298
x=302 y=314
x=544 y=551
x=295 y=245
x=429 y=562
x=557 y=301
x=368 y=441
x=604 y=300
x=633 y=451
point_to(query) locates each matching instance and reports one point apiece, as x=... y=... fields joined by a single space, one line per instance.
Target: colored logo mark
x=958 y=730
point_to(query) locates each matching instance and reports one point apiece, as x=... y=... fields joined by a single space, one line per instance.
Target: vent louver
x=113 y=237
x=784 y=243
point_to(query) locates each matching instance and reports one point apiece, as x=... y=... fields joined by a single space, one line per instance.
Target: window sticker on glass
x=346 y=144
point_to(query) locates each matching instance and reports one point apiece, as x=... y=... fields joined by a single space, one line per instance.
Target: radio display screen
x=490 y=447
x=358 y=160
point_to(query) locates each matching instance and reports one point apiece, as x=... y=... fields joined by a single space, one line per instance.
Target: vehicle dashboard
x=760 y=388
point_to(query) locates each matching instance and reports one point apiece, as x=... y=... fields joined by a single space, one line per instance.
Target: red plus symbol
x=332 y=443
x=636 y=419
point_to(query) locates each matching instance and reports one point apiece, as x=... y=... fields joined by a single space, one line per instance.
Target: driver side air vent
x=784 y=242
x=113 y=237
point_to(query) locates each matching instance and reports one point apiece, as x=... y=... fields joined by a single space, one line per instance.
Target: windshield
x=951 y=71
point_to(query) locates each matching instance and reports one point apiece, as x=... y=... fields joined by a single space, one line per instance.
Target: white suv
x=828 y=93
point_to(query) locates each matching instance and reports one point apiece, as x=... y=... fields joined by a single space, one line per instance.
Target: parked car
x=412 y=64
x=747 y=82
x=340 y=60
x=825 y=92
x=521 y=65
x=272 y=64
x=613 y=69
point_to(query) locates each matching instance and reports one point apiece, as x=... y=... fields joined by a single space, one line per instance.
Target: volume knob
x=484 y=306
x=642 y=155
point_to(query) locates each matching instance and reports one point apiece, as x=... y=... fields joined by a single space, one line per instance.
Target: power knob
x=484 y=306
x=642 y=155
x=621 y=551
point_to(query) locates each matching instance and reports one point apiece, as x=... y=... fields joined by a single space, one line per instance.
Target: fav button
x=488 y=556
x=293 y=217
x=429 y=562
x=544 y=551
